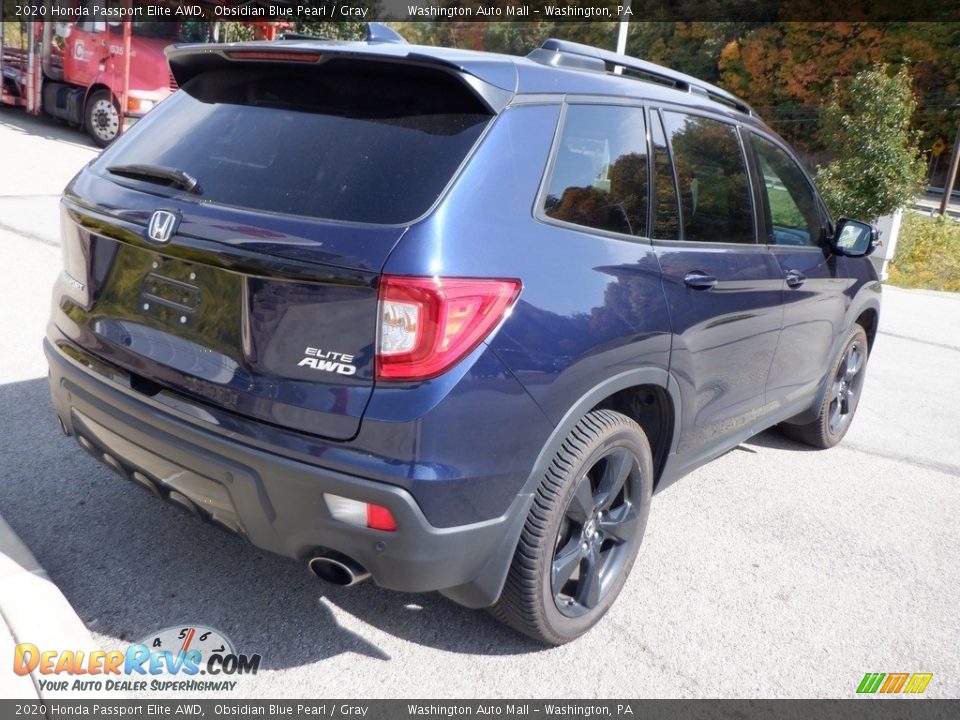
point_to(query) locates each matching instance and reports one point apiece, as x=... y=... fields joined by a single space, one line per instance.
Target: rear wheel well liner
x=651 y=408
x=869 y=320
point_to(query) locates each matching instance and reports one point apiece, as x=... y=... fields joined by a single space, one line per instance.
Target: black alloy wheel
x=583 y=531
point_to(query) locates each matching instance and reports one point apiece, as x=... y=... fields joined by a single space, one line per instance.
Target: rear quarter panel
x=590 y=307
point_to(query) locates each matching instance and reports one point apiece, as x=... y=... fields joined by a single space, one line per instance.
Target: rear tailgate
x=274 y=338
x=256 y=289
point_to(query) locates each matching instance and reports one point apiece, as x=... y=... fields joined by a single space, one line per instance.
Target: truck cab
x=96 y=76
x=91 y=73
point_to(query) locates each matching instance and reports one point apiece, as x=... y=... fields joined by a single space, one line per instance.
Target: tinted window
x=187 y=31
x=599 y=176
x=666 y=217
x=351 y=140
x=714 y=192
x=791 y=202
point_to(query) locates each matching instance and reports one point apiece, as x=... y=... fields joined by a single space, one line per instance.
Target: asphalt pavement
x=775 y=571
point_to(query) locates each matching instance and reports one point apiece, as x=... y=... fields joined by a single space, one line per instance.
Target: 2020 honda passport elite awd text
x=449 y=319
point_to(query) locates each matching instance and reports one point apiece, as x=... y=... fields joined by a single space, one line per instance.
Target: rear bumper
x=273 y=501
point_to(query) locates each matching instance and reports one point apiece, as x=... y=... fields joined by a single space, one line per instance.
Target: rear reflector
x=361 y=514
x=427 y=325
x=379 y=518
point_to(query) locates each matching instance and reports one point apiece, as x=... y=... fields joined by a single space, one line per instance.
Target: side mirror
x=854 y=238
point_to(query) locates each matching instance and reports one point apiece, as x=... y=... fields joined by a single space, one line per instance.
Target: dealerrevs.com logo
x=175 y=659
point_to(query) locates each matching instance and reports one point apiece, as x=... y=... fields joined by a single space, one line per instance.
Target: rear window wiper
x=171 y=177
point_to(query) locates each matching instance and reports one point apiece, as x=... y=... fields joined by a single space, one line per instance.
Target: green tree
x=877 y=167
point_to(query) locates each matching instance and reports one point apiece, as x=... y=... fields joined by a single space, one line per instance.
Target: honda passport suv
x=448 y=319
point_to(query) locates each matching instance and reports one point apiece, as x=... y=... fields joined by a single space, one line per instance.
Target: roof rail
x=563 y=53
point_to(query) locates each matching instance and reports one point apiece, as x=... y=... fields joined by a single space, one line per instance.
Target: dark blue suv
x=445 y=318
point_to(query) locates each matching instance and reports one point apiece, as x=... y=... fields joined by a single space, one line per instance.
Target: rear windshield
x=353 y=141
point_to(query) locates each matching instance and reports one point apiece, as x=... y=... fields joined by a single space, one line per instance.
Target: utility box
x=889 y=227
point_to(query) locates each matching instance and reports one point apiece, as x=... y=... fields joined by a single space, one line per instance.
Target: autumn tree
x=785 y=70
x=876 y=168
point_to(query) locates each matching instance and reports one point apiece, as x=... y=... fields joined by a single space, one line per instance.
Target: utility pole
x=622 y=32
x=952 y=175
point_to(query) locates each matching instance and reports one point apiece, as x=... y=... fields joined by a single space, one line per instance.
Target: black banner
x=574 y=11
x=435 y=709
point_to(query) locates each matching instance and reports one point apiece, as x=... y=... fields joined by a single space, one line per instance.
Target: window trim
x=748 y=168
x=651 y=218
x=539 y=203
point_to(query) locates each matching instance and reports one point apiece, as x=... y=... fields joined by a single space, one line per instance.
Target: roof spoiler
x=490 y=83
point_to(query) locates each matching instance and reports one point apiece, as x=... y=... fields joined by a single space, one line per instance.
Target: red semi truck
x=98 y=75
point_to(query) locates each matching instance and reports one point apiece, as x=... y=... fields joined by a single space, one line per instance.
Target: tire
x=590 y=553
x=102 y=118
x=842 y=396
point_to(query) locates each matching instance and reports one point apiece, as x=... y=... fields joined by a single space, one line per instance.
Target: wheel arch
x=646 y=395
x=94 y=88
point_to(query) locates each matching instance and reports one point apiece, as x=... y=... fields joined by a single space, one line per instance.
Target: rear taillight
x=429 y=324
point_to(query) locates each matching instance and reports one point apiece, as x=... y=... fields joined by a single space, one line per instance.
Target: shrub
x=928 y=253
x=877 y=167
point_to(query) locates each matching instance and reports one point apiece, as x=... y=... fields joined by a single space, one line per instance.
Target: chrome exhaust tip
x=88 y=446
x=146 y=483
x=114 y=464
x=183 y=501
x=338 y=569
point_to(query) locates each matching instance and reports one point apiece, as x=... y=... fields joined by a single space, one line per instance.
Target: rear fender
x=486 y=588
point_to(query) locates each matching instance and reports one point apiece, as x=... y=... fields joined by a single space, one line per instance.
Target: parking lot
x=775 y=571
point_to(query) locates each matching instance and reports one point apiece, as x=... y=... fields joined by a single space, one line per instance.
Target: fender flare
x=485 y=589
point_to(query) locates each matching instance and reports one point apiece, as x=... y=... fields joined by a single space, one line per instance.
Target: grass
x=928 y=253
x=783 y=209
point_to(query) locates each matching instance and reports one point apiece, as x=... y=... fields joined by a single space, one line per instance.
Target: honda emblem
x=161 y=227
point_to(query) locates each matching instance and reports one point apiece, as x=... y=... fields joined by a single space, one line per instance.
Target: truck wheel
x=583 y=531
x=842 y=397
x=102 y=118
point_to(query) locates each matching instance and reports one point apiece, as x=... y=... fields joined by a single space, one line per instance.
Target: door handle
x=795 y=278
x=699 y=280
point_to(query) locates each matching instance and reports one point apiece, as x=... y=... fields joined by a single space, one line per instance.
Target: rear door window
x=714 y=189
x=354 y=141
x=599 y=175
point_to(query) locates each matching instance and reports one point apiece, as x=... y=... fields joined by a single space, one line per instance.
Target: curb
x=33 y=610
